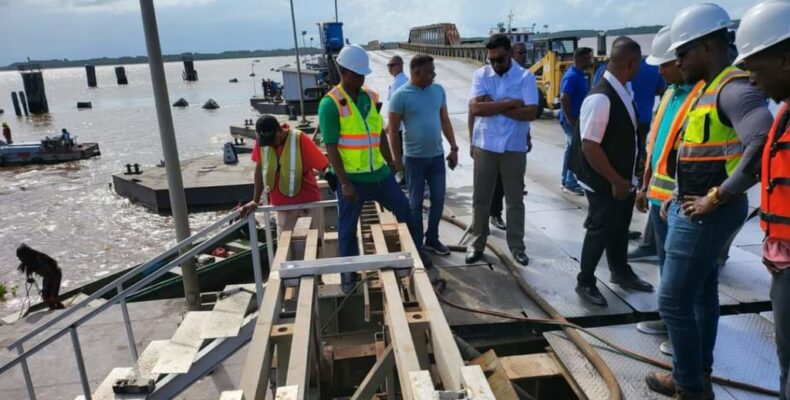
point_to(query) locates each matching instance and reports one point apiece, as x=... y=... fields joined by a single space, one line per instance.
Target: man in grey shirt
x=717 y=161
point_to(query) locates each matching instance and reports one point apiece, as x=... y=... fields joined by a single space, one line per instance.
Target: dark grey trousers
x=780 y=300
x=510 y=166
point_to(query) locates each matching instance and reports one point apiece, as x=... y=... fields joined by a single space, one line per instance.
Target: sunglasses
x=683 y=52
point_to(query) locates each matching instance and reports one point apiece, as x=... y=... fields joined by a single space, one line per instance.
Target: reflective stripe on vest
x=288 y=165
x=775 y=176
x=360 y=138
x=661 y=183
x=705 y=137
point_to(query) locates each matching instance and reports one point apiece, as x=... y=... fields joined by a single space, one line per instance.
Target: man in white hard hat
x=351 y=127
x=763 y=42
x=723 y=138
x=663 y=142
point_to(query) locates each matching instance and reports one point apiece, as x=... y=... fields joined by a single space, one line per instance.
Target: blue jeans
x=389 y=195
x=659 y=233
x=568 y=178
x=688 y=300
x=419 y=171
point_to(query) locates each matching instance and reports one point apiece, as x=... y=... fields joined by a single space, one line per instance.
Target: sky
x=78 y=29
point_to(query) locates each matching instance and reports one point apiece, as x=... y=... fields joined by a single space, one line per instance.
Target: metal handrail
x=121 y=294
x=133 y=288
x=122 y=279
x=167 y=253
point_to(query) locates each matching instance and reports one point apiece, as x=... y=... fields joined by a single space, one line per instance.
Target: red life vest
x=775 y=203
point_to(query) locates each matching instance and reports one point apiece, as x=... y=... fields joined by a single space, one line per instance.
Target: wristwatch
x=713 y=195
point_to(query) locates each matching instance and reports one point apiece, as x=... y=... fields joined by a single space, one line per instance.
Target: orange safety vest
x=775 y=203
x=662 y=182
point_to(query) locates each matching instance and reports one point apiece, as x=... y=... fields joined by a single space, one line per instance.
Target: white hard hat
x=354 y=58
x=660 y=53
x=763 y=26
x=696 y=21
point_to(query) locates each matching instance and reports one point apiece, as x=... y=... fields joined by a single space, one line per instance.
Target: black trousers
x=497 y=203
x=607 y=229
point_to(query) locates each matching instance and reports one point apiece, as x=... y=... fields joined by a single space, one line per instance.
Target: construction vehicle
x=549 y=58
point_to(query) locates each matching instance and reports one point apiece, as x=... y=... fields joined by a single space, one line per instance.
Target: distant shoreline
x=128 y=60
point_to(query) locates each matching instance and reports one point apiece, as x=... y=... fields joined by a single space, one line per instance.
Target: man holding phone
x=422 y=107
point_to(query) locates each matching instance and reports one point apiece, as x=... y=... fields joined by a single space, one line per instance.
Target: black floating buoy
x=234 y=80
x=181 y=103
x=84 y=104
x=1 y=111
x=137 y=168
x=210 y=105
x=128 y=169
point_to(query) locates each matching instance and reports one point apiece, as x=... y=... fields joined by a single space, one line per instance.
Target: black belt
x=776 y=146
x=776 y=181
x=774 y=219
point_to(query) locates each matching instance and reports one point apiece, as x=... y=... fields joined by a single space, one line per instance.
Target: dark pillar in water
x=23 y=102
x=15 y=100
x=190 y=74
x=120 y=74
x=36 y=95
x=90 y=70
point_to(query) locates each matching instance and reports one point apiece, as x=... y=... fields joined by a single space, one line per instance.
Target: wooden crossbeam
x=376 y=376
x=302 y=344
x=255 y=376
x=445 y=352
x=395 y=316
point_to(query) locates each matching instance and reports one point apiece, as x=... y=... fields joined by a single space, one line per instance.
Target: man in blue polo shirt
x=573 y=89
x=422 y=107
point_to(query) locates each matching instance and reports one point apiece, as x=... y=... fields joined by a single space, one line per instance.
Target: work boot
x=473 y=256
x=662 y=382
x=591 y=294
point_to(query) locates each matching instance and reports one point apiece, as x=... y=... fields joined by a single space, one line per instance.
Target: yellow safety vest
x=710 y=150
x=360 y=138
x=288 y=165
x=662 y=183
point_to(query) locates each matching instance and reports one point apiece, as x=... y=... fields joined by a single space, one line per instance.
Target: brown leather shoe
x=662 y=382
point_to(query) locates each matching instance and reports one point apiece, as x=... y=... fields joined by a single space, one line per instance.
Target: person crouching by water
x=36 y=262
x=287 y=172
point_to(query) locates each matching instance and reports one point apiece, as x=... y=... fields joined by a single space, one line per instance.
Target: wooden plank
x=286 y=393
x=421 y=385
x=301 y=228
x=448 y=358
x=496 y=375
x=179 y=354
x=232 y=395
x=530 y=366
x=301 y=346
x=476 y=384
x=228 y=314
x=145 y=364
x=329 y=248
x=255 y=375
x=104 y=391
x=395 y=316
x=376 y=376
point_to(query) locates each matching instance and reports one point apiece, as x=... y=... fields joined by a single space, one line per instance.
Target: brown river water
x=69 y=211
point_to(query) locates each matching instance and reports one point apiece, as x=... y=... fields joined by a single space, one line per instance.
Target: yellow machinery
x=549 y=59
